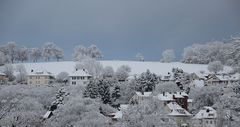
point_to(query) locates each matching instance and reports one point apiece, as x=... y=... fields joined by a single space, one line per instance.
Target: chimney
x=32 y=70
x=180 y=93
x=163 y=93
x=83 y=69
x=76 y=69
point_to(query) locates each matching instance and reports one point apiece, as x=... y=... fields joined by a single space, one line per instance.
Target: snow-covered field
x=137 y=67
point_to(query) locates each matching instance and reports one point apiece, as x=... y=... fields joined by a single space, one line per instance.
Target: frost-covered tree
x=50 y=49
x=58 y=53
x=81 y=52
x=22 y=54
x=108 y=71
x=92 y=89
x=166 y=87
x=35 y=54
x=91 y=65
x=116 y=93
x=104 y=91
x=8 y=70
x=147 y=81
x=62 y=76
x=122 y=72
x=139 y=57
x=215 y=66
x=11 y=49
x=21 y=76
x=3 y=58
x=168 y=56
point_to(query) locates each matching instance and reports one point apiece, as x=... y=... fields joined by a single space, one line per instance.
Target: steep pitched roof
x=177 y=110
x=206 y=113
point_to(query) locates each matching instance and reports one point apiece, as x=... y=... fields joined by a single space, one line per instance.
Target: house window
x=207 y=122
x=211 y=122
x=73 y=78
x=74 y=83
x=78 y=78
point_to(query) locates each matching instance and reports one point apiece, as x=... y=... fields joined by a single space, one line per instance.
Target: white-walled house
x=139 y=97
x=40 y=78
x=207 y=117
x=79 y=77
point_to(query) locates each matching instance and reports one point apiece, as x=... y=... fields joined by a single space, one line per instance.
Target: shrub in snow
x=139 y=57
x=108 y=71
x=168 y=56
x=8 y=70
x=62 y=77
x=215 y=66
x=21 y=76
x=123 y=72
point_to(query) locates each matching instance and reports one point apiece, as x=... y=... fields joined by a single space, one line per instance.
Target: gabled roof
x=166 y=96
x=144 y=94
x=206 y=113
x=177 y=110
x=40 y=73
x=1 y=73
x=80 y=72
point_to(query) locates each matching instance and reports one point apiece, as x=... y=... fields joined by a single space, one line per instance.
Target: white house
x=139 y=97
x=40 y=78
x=207 y=117
x=79 y=77
x=167 y=77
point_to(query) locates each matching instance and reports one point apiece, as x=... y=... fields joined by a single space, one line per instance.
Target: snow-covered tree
x=50 y=49
x=168 y=56
x=92 y=89
x=116 y=93
x=147 y=81
x=108 y=71
x=62 y=76
x=8 y=70
x=35 y=54
x=215 y=66
x=3 y=58
x=58 y=53
x=21 y=76
x=11 y=49
x=166 y=87
x=139 y=57
x=122 y=72
x=104 y=91
x=22 y=54
x=81 y=52
x=91 y=65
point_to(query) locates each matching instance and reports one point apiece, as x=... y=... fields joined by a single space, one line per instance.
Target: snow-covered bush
x=8 y=70
x=122 y=72
x=168 y=56
x=62 y=77
x=215 y=66
x=21 y=76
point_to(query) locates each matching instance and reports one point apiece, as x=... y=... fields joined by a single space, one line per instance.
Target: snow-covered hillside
x=137 y=67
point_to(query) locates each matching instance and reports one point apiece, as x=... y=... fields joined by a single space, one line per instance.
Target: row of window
x=79 y=77
x=37 y=77
x=38 y=82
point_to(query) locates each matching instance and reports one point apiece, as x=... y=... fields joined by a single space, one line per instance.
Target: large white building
x=40 y=78
x=79 y=77
x=207 y=117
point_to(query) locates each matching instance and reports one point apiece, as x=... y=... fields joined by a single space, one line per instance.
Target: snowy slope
x=137 y=67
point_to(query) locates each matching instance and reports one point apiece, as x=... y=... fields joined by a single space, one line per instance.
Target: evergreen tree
x=104 y=91
x=147 y=81
x=91 y=89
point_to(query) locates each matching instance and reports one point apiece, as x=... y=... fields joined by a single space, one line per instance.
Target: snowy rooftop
x=1 y=73
x=166 y=96
x=206 y=113
x=144 y=94
x=118 y=115
x=80 y=73
x=177 y=110
x=227 y=77
x=40 y=73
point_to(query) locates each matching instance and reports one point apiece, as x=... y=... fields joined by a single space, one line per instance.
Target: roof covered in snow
x=1 y=73
x=40 y=73
x=166 y=96
x=80 y=72
x=177 y=110
x=225 y=77
x=144 y=94
x=206 y=113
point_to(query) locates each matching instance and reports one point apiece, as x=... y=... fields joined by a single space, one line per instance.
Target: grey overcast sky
x=120 y=28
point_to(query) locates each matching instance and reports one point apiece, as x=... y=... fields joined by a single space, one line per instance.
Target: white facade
x=79 y=77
